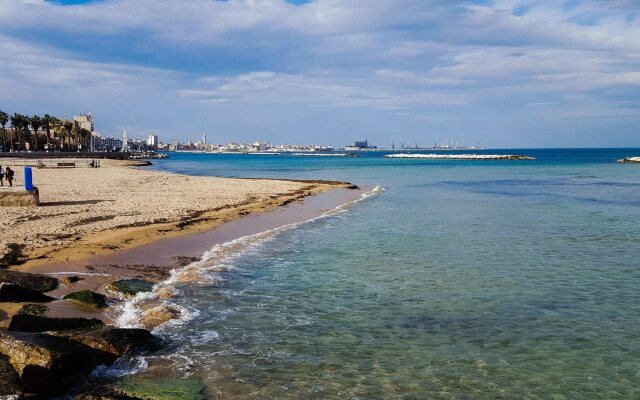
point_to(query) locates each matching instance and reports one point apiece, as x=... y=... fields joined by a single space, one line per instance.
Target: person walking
x=1 y=176
x=9 y=176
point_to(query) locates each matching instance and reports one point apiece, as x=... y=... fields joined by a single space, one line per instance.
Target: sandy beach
x=87 y=214
x=89 y=211
x=103 y=234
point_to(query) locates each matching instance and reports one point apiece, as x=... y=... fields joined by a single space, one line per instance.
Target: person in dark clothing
x=9 y=176
x=1 y=176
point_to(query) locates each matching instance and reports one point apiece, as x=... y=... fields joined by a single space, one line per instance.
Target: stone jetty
x=461 y=156
x=630 y=160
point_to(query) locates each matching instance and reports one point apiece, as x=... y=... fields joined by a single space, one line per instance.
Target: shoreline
x=75 y=221
x=152 y=251
x=157 y=259
x=91 y=246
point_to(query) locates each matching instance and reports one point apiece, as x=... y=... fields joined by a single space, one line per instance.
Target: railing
x=50 y=163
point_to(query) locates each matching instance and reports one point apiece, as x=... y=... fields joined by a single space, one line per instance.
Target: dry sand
x=88 y=211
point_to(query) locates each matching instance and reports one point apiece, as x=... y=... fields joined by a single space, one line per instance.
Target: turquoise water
x=462 y=280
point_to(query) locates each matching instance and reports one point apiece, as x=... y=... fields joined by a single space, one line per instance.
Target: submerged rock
x=18 y=293
x=117 y=341
x=48 y=364
x=162 y=389
x=32 y=323
x=102 y=392
x=10 y=387
x=131 y=287
x=39 y=283
x=88 y=298
x=34 y=309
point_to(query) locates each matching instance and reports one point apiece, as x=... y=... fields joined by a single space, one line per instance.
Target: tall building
x=85 y=121
x=152 y=142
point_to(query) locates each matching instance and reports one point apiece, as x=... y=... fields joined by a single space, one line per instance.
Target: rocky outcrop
x=10 y=387
x=17 y=293
x=630 y=160
x=39 y=283
x=131 y=287
x=32 y=323
x=48 y=364
x=89 y=298
x=117 y=341
x=34 y=309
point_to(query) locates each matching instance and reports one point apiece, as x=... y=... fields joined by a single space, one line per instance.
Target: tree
x=18 y=123
x=4 y=118
x=76 y=133
x=47 y=124
x=85 y=134
x=36 y=124
x=67 y=127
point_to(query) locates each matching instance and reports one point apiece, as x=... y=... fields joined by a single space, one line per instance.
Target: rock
x=48 y=364
x=10 y=387
x=131 y=287
x=32 y=323
x=102 y=392
x=88 y=298
x=189 y=388
x=39 y=283
x=159 y=315
x=117 y=341
x=183 y=261
x=17 y=293
x=67 y=280
x=33 y=309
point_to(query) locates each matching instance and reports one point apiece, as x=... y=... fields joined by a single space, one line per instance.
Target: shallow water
x=462 y=280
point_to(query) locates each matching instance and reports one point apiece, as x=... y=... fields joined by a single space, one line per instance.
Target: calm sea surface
x=461 y=280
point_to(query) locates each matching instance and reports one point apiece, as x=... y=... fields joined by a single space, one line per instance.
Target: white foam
x=204 y=337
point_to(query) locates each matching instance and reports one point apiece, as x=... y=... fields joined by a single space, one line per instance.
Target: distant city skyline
x=503 y=73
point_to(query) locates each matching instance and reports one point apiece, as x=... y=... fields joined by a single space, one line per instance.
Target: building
x=110 y=144
x=85 y=121
x=152 y=142
x=361 y=144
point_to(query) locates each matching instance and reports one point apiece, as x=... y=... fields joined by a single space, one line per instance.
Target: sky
x=503 y=73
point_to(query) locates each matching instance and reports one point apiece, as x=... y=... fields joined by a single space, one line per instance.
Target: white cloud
x=413 y=57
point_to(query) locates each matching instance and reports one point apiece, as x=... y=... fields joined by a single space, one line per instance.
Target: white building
x=152 y=142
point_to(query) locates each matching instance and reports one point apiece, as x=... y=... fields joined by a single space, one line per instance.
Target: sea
x=449 y=279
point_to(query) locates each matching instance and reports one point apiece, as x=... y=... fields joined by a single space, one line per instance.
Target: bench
x=66 y=165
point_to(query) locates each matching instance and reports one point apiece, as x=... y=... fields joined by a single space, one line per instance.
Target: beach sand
x=87 y=211
x=93 y=222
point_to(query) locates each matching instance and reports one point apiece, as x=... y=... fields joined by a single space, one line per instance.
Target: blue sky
x=504 y=73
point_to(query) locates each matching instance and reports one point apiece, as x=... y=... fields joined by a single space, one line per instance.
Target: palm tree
x=4 y=118
x=47 y=122
x=36 y=124
x=17 y=124
x=84 y=134
x=76 y=133
x=68 y=127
